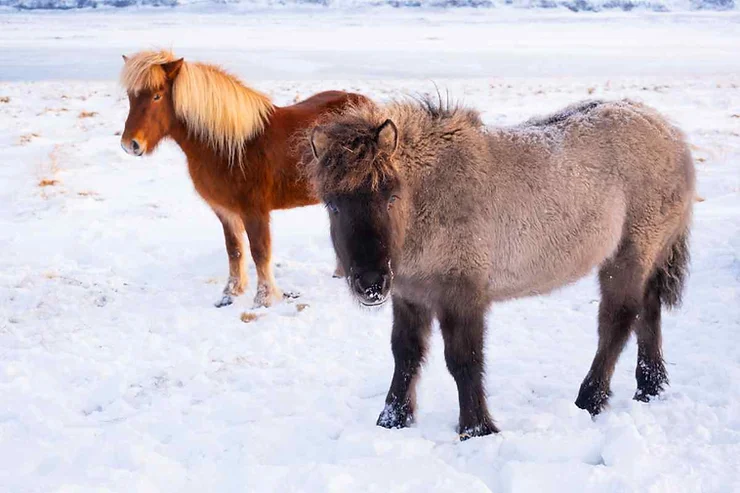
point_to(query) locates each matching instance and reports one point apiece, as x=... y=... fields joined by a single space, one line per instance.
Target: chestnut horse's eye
x=332 y=207
x=157 y=97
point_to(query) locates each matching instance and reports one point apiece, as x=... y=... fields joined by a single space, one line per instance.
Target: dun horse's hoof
x=225 y=301
x=592 y=397
x=651 y=381
x=394 y=416
x=480 y=430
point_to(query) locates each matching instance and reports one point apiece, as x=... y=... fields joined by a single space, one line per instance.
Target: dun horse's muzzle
x=371 y=287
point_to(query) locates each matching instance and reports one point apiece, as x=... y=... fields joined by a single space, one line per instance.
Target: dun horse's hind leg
x=650 y=373
x=411 y=326
x=622 y=282
x=234 y=238
x=260 y=244
x=463 y=337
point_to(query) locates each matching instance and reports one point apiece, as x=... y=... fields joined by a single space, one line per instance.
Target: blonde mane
x=214 y=105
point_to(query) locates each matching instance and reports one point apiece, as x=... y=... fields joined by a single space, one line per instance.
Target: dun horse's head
x=357 y=179
x=151 y=108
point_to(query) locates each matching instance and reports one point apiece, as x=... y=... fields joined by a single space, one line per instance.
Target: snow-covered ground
x=118 y=374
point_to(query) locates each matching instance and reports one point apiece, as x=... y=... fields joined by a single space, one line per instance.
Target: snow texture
x=118 y=374
x=572 y=5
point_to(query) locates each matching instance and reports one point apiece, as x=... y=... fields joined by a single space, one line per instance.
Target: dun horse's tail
x=671 y=275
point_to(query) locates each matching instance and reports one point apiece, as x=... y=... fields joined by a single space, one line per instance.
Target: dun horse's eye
x=392 y=200
x=332 y=207
x=157 y=97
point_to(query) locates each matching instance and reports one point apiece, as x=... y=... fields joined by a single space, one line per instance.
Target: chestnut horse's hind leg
x=622 y=282
x=463 y=337
x=338 y=270
x=650 y=373
x=260 y=244
x=411 y=326
x=234 y=237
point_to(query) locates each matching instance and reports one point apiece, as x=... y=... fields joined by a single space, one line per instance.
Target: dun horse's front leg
x=411 y=327
x=463 y=336
x=234 y=238
x=260 y=244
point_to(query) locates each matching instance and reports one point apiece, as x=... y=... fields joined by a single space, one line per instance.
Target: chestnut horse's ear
x=319 y=142
x=387 y=137
x=172 y=68
x=125 y=58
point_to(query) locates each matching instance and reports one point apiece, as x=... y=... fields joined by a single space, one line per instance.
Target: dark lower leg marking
x=621 y=301
x=650 y=373
x=463 y=336
x=411 y=327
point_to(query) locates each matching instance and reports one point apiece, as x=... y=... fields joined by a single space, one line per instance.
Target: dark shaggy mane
x=439 y=110
x=351 y=158
x=566 y=113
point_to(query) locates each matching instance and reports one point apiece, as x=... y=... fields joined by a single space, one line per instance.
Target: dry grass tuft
x=697 y=198
x=48 y=182
x=26 y=138
x=247 y=317
x=4 y=99
x=88 y=193
x=87 y=114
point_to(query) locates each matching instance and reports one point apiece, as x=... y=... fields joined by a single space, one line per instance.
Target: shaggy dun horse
x=449 y=216
x=238 y=149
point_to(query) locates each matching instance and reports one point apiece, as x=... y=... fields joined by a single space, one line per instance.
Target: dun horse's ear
x=387 y=137
x=319 y=142
x=172 y=68
x=125 y=58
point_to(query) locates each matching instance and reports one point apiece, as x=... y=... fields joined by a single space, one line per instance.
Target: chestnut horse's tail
x=671 y=274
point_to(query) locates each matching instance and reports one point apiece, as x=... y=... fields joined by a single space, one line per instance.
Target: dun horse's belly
x=539 y=265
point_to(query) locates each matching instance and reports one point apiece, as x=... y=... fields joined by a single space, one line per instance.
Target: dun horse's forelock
x=353 y=159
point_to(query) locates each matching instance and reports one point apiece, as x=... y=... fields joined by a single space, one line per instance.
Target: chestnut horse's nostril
x=135 y=147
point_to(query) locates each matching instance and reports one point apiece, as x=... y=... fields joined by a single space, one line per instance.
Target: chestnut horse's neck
x=197 y=148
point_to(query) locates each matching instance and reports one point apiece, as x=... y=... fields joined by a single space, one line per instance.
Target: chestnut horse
x=238 y=149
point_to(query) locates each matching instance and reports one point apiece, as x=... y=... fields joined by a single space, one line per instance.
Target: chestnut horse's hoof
x=267 y=296
x=395 y=417
x=226 y=300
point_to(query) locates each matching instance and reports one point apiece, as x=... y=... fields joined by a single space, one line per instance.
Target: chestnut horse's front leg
x=234 y=238
x=258 y=231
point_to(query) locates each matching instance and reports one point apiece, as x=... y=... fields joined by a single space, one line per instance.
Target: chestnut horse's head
x=357 y=179
x=148 y=78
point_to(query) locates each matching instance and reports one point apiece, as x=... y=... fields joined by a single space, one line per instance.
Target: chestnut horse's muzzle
x=132 y=147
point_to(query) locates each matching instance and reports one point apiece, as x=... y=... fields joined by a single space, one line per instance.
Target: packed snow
x=117 y=373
